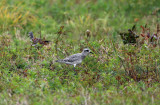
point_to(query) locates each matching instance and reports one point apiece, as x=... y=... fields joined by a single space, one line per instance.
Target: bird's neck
x=83 y=56
x=31 y=37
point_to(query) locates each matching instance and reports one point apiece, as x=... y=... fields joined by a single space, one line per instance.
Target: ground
x=119 y=72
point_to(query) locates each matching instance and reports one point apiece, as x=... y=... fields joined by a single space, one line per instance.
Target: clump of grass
x=137 y=55
x=114 y=74
x=15 y=16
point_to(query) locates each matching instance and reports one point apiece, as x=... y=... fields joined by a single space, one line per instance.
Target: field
x=124 y=36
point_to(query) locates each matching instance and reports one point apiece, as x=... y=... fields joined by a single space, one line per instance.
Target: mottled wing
x=73 y=58
x=35 y=40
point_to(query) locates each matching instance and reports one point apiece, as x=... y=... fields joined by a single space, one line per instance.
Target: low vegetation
x=124 y=36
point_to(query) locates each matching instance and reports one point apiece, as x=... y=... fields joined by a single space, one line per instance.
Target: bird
x=75 y=58
x=37 y=40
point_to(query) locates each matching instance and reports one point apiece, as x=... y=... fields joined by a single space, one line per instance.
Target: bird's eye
x=87 y=50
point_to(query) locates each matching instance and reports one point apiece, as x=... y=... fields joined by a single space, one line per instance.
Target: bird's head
x=31 y=35
x=86 y=51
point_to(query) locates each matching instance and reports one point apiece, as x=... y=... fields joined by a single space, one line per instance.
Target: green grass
x=114 y=74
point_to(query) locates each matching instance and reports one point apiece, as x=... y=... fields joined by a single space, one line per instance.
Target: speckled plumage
x=76 y=58
x=37 y=40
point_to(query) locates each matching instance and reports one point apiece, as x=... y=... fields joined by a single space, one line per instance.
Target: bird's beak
x=91 y=52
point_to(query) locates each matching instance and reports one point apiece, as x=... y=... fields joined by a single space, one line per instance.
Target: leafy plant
x=129 y=37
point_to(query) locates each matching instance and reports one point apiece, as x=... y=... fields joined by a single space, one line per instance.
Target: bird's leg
x=74 y=69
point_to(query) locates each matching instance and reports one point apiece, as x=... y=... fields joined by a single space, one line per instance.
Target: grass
x=116 y=73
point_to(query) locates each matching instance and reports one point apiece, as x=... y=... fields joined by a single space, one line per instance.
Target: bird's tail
x=46 y=41
x=59 y=60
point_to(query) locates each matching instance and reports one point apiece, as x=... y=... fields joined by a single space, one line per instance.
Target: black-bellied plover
x=37 y=40
x=76 y=58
